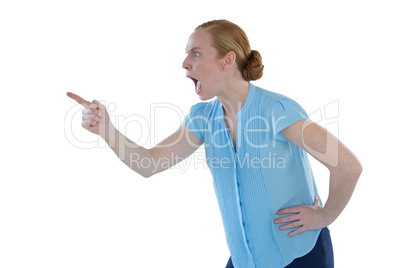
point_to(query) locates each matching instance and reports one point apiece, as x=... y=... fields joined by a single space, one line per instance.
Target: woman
x=255 y=143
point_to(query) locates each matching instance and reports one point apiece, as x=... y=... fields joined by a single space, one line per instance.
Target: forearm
x=341 y=187
x=130 y=153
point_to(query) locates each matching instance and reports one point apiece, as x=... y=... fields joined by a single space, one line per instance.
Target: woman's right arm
x=146 y=162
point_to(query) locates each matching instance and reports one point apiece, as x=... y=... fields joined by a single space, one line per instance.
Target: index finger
x=78 y=99
x=289 y=210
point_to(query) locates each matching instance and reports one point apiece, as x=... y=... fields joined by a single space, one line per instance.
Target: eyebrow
x=194 y=48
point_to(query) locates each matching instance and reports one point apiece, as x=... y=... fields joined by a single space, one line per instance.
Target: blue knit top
x=265 y=173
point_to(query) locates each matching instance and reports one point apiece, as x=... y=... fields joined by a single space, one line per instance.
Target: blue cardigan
x=265 y=173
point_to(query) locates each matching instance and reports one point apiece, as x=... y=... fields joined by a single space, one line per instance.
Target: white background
x=65 y=206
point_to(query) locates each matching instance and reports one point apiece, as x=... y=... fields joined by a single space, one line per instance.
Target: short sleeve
x=195 y=120
x=285 y=113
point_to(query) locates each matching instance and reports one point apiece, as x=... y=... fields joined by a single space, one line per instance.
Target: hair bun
x=253 y=69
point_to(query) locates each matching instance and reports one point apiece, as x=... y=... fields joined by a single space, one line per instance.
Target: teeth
x=198 y=87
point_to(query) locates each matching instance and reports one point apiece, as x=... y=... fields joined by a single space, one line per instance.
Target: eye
x=196 y=54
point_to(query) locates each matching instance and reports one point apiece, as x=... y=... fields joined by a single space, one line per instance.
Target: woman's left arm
x=344 y=168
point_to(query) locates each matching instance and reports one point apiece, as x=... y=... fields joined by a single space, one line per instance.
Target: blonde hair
x=226 y=37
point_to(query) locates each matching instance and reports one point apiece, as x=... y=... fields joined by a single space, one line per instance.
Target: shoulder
x=274 y=100
x=198 y=107
x=199 y=118
x=274 y=96
x=204 y=109
x=264 y=93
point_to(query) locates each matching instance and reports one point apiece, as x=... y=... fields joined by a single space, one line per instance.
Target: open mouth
x=197 y=84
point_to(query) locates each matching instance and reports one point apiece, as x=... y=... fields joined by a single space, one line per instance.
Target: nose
x=186 y=64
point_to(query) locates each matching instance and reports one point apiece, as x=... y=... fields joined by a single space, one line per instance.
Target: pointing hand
x=95 y=117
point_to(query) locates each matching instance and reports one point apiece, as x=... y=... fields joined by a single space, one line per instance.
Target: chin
x=204 y=98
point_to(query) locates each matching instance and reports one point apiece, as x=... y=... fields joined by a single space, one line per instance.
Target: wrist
x=328 y=216
x=109 y=135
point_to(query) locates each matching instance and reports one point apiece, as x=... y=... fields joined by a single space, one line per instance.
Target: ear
x=229 y=60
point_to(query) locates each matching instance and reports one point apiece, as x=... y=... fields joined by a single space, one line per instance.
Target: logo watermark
x=325 y=149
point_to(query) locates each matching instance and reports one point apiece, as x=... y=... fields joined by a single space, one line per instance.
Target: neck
x=232 y=96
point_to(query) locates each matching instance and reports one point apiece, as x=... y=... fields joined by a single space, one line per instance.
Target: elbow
x=146 y=175
x=144 y=168
x=351 y=169
x=357 y=170
x=143 y=172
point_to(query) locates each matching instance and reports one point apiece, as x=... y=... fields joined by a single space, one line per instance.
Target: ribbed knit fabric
x=266 y=173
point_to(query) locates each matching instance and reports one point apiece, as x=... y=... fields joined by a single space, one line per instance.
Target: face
x=202 y=64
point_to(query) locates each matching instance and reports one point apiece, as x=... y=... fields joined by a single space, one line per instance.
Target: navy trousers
x=321 y=256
